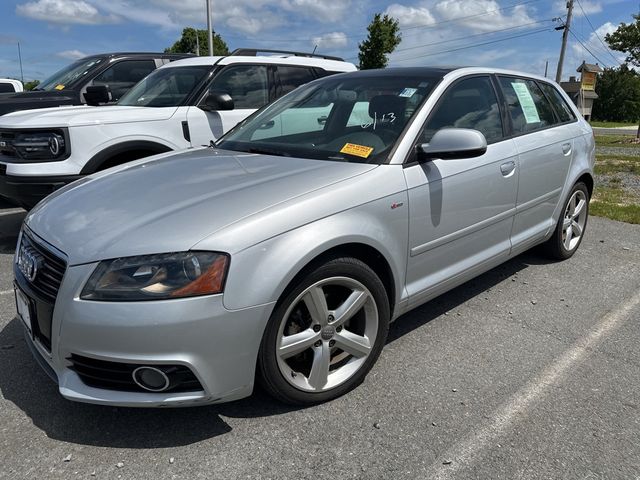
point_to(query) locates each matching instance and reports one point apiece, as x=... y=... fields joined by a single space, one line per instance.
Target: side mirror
x=97 y=94
x=217 y=101
x=453 y=143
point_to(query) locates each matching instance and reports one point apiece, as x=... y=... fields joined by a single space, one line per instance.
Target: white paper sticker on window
x=408 y=92
x=526 y=102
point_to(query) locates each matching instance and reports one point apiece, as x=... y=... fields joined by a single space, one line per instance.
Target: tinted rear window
x=557 y=100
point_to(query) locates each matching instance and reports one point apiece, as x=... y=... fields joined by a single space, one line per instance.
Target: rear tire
x=571 y=225
x=325 y=334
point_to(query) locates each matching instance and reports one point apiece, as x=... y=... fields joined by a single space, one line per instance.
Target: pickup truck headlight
x=157 y=277
x=41 y=145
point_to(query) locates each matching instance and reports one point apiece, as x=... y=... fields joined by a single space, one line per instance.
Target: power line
x=586 y=48
x=606 y=48
x=471 y=36
x=475 y=45
x=593 y=48
x=425 y=26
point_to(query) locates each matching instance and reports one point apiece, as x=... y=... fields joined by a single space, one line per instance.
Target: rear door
x=545 y=149
x=461 y=211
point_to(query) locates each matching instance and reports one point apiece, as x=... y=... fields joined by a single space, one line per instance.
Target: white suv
x=186 y=103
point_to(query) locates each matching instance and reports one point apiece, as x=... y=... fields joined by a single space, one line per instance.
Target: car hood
x=11 y=102
x=78 y=116
x=171 y=202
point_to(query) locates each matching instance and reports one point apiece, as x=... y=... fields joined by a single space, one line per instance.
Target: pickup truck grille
x=6 y=143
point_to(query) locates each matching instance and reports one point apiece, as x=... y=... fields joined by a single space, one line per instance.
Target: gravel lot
x=530 y=371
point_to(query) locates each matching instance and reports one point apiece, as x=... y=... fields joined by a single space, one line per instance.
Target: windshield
x=166 y=87
x=70 y=74
x=357 y=118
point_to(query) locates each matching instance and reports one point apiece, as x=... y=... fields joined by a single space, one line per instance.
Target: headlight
x=46 y=145
x=156 y=277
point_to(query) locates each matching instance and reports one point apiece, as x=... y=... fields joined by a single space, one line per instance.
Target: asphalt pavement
x=531 y=371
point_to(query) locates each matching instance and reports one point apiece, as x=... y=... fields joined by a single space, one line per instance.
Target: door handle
x=508 y=168
x=322 y=120
x=566 y=148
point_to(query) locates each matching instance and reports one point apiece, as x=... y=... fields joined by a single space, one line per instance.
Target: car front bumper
x=219 y=346
x=27 y=191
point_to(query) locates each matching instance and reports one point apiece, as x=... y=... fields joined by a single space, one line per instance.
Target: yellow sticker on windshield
x=357 y=150
x=59 y=87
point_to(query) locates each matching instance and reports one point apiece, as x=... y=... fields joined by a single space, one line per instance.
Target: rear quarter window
x=563 y=110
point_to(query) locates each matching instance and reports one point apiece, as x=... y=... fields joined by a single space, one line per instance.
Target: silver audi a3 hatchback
x=281 y=254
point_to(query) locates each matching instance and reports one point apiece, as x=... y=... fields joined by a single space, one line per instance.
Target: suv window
x=292 y=77
x=247 y=85
x=7 y=88
x=559 y=103
x=470 y=103
x=121 y=76
x=166 y=87
x=528 y=107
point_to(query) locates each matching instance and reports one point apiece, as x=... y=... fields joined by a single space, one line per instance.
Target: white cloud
x=330 y=40
x=410 y=16
x=605 y=58
x=589 y=6
x=482 y=15
x=71 y=54
x=64 y=12
x=323 y=10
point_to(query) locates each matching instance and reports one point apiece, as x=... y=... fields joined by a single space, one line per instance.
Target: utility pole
x=20 y=60
x=209 y=31
x=565 y=36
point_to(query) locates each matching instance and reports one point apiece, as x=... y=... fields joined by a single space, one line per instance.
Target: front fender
x=260 y=274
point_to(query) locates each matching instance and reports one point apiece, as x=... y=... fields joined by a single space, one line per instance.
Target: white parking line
x=12 y=211
x=466 y=452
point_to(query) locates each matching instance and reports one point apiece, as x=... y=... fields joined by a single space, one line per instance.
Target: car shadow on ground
x=23 y=383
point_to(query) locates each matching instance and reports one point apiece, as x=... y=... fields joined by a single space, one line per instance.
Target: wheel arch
x=587 y=179
x=140 y=149
x=364 y=252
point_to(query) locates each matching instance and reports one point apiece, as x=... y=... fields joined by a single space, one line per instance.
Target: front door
x=247 y=85
x=461 y=211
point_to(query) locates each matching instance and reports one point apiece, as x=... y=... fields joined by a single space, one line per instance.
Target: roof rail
x=253 y=52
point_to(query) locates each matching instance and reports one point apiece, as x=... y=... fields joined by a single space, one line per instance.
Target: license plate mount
x=23 y=306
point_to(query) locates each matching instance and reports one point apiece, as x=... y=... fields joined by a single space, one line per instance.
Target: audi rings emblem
x=28 y=263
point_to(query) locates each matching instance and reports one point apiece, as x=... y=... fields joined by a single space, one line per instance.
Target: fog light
x=151 y=378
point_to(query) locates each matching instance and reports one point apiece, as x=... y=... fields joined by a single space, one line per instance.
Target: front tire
x=325 y=334
x=571 y=225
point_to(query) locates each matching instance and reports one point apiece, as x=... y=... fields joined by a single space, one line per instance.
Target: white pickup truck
x=9 y=85
x=185 y=103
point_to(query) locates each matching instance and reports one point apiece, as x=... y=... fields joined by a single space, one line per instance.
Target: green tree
x=618 y=90
x=384 y=37
x=627 y=39
x=31 y=85
x=189 y=41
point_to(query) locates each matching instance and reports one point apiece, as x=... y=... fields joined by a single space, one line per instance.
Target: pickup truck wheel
x=325 y=335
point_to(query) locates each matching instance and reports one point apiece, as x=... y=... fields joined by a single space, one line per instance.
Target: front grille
x=6 y=143
x=118 y=376
x=49 y=275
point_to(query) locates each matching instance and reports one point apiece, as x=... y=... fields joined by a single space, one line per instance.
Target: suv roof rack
x=253 y=52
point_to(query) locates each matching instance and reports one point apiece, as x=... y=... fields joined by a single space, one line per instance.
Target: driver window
x=247 y=85
x=470 y=103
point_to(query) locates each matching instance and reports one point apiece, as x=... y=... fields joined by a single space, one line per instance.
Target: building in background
x=583 y=91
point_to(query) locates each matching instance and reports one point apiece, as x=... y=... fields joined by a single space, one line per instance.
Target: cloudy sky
x=516 y=34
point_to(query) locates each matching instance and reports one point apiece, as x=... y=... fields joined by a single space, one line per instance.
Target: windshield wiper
x=267 y=151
